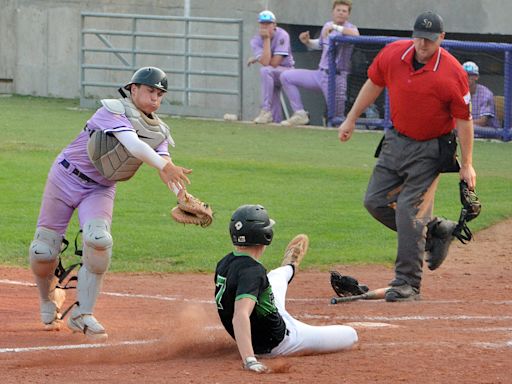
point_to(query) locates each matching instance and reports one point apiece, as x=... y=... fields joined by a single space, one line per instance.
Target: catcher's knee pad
x=97 y=245
x=44 y=251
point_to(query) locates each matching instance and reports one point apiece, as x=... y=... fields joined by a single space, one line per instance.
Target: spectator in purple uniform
x=317 y=80
x=271 y=48
x=482 y=99
x=117 y=139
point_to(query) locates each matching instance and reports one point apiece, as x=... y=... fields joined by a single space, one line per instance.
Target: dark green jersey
x=239 y=276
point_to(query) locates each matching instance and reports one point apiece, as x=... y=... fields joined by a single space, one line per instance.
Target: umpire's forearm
x=465 y=134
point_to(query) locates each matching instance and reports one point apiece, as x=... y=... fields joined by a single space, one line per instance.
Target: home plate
x=362 y=324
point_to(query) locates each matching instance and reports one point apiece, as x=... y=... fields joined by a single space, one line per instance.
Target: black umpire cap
x=428 y=25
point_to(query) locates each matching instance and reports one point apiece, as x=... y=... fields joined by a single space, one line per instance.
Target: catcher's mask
x=151 y=76
x=250 y=225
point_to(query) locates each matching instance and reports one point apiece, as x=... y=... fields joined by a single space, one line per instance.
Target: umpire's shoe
x=88 y=325
x=401 y=291
x=295 y=251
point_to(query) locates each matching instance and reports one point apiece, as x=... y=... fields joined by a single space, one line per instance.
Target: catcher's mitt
x=191 y=210
x=346 y=285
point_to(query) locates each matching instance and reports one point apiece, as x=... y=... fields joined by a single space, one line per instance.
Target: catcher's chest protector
x=109 y=156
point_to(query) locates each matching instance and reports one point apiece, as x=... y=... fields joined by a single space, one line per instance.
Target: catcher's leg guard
x=439 y=239
x=96 y=257
x=44 y=258
x=81 y=318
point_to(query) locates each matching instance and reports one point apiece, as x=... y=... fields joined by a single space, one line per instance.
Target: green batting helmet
x=150 y=76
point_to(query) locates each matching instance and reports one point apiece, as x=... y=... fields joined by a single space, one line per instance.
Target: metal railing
x=202 y=62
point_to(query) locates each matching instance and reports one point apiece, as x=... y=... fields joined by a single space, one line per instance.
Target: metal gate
x=201 y=56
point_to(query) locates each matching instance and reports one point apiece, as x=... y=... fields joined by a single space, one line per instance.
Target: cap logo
x=241 y=239
x=238 y=225
x=427 y=23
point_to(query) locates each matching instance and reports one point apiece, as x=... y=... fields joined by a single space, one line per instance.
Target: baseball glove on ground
x=191 y=210
x=346 y=285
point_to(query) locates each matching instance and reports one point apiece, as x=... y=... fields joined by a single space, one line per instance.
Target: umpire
x=429 y=98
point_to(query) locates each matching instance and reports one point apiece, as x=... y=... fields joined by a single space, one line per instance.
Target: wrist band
x=338 y=28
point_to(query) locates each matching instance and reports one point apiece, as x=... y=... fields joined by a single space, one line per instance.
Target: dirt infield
x=164 y=328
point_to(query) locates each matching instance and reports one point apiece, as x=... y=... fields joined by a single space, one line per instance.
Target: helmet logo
x=238 y=226
x=159 y=84
x=241 y=239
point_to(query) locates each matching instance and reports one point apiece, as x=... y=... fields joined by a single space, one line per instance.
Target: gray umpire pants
x=401 y=195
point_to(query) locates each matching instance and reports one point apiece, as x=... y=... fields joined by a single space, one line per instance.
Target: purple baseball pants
x=64 y=192
x=313 y=80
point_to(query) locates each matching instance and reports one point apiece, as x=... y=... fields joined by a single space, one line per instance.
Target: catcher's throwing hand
x=174 y=174
x=251 y=364
x=191 y=210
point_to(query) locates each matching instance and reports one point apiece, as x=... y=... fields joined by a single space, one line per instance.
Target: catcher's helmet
x=151 y=76
x=250 y=225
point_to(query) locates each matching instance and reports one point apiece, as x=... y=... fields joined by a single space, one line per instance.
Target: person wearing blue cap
x=271 y=48
x=482 y=98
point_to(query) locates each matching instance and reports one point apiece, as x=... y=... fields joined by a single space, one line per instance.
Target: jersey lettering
x=221 y=284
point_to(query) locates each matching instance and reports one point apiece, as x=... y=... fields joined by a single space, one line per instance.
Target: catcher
x=251 y=302
x=117 y=139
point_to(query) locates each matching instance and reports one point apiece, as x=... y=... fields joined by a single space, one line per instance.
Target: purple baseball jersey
x=279 y=45
x=74 y=183
x=76 y=152
x=344 y=50
x=482 y=104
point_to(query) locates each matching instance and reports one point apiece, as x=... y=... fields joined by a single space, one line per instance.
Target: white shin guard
x=88 y=289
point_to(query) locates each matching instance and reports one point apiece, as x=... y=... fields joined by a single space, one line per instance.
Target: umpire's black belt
x=76 y=172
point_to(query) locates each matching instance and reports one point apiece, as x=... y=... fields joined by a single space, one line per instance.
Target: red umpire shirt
x=425 y=102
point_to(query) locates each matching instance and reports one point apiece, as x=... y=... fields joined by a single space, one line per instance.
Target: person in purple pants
x=271 y=48
x=117 y=139
x=317 y=80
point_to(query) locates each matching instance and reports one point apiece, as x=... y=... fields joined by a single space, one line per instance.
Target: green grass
x=307 y=180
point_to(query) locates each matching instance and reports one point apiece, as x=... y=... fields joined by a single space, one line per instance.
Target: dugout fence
x=201 y=56
x=495 y=72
